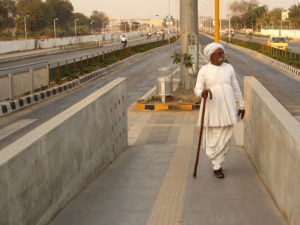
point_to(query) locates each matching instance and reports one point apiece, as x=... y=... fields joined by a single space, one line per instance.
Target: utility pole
x=189 y=42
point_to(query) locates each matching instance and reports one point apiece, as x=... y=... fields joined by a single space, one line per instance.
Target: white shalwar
x=221 y=112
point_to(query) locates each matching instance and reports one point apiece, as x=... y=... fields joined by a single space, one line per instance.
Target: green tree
x=8 y=12
x=61 y=9
x=100 y=19
x=294 y=14
x=82 y=19
x=36 y=13
x=275 y=16
x=241 y=8
x=252 y=16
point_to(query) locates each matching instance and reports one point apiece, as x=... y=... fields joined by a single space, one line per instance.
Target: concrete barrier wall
x=43 y=170
x=30 y=44
x=284 y=33
x=272 y=139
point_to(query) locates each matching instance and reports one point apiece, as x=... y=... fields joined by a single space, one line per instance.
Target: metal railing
x=23 y=79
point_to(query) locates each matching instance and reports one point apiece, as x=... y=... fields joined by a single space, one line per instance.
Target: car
x=278 y=42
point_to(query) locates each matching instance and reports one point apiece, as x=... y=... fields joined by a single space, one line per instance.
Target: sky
x=158 y=9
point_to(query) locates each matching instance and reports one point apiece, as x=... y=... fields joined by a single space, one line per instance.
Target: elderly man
x=222 y=111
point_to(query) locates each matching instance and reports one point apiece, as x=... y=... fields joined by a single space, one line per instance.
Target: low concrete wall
x=30 y=44
x=42 y=171
x=272 y=139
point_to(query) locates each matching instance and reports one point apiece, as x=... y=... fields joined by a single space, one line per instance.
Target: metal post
x=32 y=80
x=11 y=86
x=76 y=27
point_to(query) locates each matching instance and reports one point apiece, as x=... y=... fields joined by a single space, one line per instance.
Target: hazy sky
x=150 y=8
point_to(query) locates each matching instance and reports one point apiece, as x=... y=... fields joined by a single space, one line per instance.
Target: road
x=292 y=45
x=141 y=77
x=284 y=88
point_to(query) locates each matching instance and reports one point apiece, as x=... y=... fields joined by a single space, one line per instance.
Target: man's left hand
x=242 y=113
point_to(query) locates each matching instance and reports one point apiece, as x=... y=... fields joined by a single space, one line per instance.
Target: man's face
x=217 y=58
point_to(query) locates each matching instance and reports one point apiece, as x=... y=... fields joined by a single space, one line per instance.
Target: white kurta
x=221 y=112
x=222 y=109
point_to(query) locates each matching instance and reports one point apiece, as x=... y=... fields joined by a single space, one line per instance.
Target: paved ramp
x=151 y=182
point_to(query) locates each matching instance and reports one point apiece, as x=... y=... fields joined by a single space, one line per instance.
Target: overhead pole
x=189 y=42
x=217 y=21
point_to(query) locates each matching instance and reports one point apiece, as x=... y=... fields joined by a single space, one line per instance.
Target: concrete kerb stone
x=280 y=65
x=23 y=102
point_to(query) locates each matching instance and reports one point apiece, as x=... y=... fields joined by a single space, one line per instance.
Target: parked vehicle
x=278 y=42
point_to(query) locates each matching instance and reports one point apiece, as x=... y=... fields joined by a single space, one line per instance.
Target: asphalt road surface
x=141 y=77
x=291 y=45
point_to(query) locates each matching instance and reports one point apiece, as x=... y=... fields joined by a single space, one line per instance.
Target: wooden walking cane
x=200 y=137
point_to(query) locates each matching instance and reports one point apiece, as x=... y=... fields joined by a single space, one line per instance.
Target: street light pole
x=25 y=26
x=76 y=27
x=54 y=27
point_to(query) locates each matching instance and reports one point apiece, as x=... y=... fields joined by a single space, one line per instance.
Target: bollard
x=98 y=58
x=93 y=61
x=81 y=64
x=103 y=53
x=87 y=60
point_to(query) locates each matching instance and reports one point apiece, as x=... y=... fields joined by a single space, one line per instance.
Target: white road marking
x=14 y=127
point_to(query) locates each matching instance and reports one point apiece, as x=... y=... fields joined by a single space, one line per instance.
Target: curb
x=146 y=107
x=23 y=102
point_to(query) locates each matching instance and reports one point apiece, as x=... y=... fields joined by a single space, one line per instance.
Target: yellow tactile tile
x=168 y=207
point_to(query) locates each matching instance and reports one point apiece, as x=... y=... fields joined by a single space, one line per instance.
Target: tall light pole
x=55 y=27
x=25 y=26
x=75 y=21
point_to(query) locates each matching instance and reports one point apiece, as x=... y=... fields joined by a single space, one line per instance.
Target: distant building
x=150 y=23
x=285 y=15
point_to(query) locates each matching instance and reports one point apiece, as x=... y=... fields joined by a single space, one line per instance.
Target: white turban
x=211 y=48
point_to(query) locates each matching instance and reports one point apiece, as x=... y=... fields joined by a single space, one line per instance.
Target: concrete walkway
x=151 y=182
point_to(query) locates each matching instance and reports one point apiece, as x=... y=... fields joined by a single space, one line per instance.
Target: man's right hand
x=205 y=93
